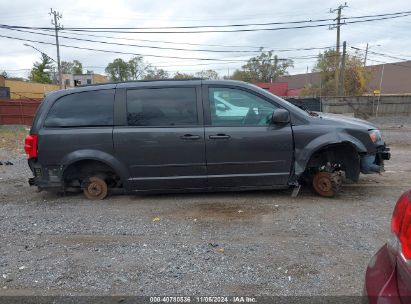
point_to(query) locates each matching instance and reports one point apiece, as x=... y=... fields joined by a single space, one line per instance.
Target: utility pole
x=57 y=16
x=342 y=78
x=365 y=57
x=379 y=95
x=338 y=26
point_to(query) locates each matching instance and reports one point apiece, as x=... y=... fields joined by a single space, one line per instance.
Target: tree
x=179 y=75
x=40 y=71
x=242 y=75
x=137 y=68
x=355 y=76
x=66 y=67
x=265 y=67
x=310 y=90
x=118 y=70
x=4 y=74
x=208 y=74
x=77 y=67
x=154 y=73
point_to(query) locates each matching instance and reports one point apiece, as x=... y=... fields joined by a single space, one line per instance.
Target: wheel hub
x=327 y=183
x=96 y=189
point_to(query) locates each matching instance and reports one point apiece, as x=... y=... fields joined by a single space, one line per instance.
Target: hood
x=345 y=120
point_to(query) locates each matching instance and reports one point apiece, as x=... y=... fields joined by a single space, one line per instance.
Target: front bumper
x=374 y=163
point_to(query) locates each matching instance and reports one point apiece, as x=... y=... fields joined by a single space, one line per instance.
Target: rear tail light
x=30 y=145
x=401 y=224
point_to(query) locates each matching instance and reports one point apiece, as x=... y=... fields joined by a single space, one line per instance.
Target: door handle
x=190 y=137
x=219 y=136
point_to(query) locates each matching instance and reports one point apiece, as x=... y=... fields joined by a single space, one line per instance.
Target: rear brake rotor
x=96 y=188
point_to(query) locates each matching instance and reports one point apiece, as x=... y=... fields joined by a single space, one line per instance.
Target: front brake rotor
x=327 y=184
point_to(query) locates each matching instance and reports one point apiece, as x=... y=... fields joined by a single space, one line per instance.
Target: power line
x=390 y=63
x=113 y=30
x=380 y=54
x=126 y=53
x=238 y=30
x=168 y=42
x=202 y=44
x=245 y=24
x=165 y=48
x=238 y=24
x=146 y=55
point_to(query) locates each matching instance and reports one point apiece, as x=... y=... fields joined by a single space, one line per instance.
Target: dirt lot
x=256 y=243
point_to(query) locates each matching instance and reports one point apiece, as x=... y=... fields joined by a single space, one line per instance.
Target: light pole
x=29 y=45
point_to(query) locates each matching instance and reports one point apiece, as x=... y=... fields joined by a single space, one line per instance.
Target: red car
x=388 y=276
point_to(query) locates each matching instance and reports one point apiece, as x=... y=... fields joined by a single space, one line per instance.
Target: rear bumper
x=45 y=177
x=381 y=284
x=374 y=163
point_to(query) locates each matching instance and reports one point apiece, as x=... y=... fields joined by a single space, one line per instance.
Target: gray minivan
x=192 y=135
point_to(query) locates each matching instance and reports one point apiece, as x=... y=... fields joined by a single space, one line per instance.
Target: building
x=279 y=88
x=394 y=78
x=74 y=80
x=25 y=89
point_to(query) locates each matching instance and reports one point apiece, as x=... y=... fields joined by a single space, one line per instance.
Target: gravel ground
x=254 y=243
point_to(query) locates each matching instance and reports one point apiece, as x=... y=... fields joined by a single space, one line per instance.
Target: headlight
x=375 y=135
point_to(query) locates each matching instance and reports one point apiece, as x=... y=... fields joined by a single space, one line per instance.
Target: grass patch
x=12 y=138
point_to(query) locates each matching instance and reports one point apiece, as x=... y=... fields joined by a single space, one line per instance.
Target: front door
x=243 y=147
x=163 y=142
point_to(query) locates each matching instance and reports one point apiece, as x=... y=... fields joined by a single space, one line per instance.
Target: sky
x=390 y=37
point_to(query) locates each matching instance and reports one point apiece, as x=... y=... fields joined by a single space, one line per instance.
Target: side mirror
x=280 y=116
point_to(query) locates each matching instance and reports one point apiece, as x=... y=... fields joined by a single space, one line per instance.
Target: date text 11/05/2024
x=233 y=299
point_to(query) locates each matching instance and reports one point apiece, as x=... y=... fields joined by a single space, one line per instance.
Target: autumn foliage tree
x=179 y=75
x=355 y=75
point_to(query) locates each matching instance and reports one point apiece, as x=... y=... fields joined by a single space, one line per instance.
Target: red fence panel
x=18 y=111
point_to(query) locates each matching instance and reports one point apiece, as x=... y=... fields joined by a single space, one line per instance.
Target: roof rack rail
x=131 y=81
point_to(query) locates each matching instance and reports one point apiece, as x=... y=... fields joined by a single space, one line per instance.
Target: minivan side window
x=234 y=107
x=83 y=109
x=162 y=107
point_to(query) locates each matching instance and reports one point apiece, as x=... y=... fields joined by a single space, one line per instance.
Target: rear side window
x=84 y=109
x=162 y=107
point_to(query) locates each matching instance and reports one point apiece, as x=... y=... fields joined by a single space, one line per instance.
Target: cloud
x=391 y=35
